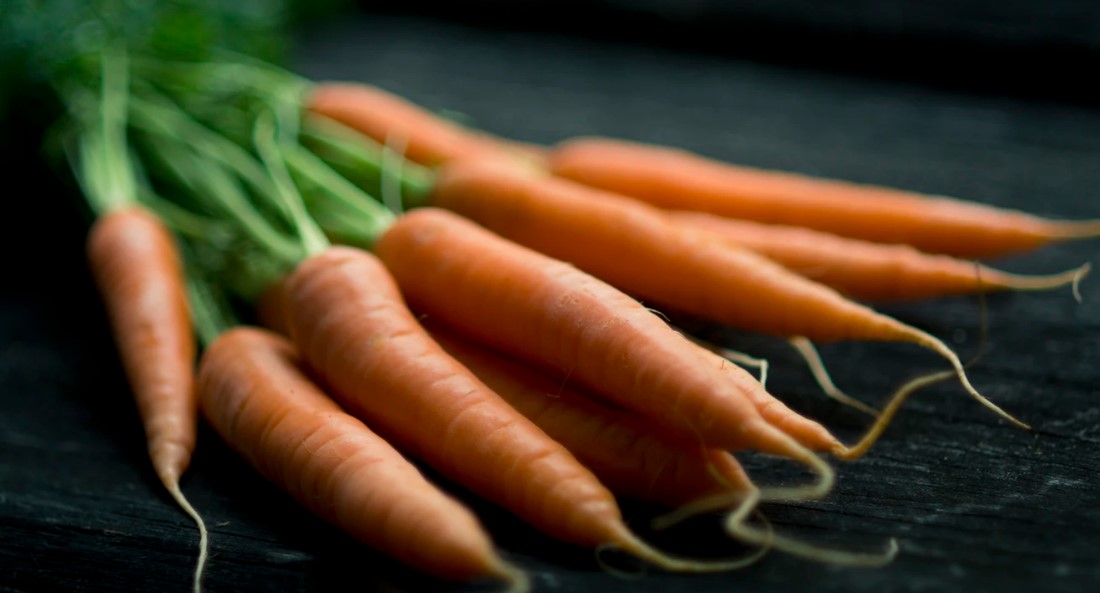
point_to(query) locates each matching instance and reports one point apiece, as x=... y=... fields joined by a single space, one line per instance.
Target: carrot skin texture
x=810 y=434
x=554 y=315
x=677 y=179
x=639 y=250
x=255 y=395
x=352 y=326
x=630 y=456
x=137 y=268
x=864 y=270
x=429 y=139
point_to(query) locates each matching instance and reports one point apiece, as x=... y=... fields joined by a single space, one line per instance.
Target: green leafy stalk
x=363 y=161
x=341 y=207
x=267 y=145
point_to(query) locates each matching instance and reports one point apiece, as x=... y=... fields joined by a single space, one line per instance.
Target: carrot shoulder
x=351 y=325
x=257 y=398
x=867 y=270
x=677 y=179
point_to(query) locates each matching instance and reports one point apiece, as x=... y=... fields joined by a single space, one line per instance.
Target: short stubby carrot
x=631 y=456
x=637 y=248
x=677 y=179
x=427 y=138
x=351 y=325
x=866 y=270
x=255 y=395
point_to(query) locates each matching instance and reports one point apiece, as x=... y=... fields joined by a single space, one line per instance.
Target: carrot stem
x=267 y=146
x=361 y=159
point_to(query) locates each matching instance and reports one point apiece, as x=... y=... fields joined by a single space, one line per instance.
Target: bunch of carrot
x=481 y=316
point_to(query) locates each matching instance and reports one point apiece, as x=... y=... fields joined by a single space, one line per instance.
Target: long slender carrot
x=636 y=248
x=677 y=179
x=867 y=270
x=351 y=325
x=256 y=397
x=631 y=456
x=427 y=138
x=137 y=269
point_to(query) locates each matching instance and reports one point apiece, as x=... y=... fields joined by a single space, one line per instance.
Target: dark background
x=981 y=100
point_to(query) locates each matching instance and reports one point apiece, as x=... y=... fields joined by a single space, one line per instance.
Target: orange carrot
x=866 y=270
x=638 y=249
x=139 y=274
x=351 y=325
x=256 y=397
x=548 y=312
x=427 y=139
x=137 y=269
x=630 y=456
x=676 y=179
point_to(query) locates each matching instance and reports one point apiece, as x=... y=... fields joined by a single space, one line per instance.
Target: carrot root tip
x=630 y=543
x=204 y=538
x=742 y=531
x=938 y=346
x=894 y=404
x=515 y=578
x=809 y=354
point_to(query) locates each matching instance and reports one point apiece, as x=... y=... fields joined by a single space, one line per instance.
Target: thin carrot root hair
x=744 y=562
x=936 y=345
x=1079 y=275
x=628 y=542
x=1072 y=278
x=735 y=356
x=875 y=431
x=1074 y=229
x=744 y=502
x=736 y=524
x=204 y=537
x=805 y=348
x=516 y=580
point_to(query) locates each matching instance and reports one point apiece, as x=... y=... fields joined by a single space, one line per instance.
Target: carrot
x=428 y=139
x=630 y=456
x=138 y=272
x=623 y=452
x=554 y=315
x=636 y=248
x=676 y=179
x=866 y=270
x=351 y=325
x=137 y=268
x=255 y=396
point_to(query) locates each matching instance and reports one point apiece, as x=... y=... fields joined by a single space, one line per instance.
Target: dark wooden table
x=976 y=505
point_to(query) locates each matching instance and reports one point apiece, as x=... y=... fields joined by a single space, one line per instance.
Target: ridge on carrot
x=677 y=179
x=138 y=270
